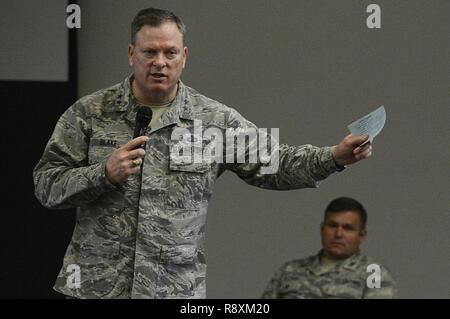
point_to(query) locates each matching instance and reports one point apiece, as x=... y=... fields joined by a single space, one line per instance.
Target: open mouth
x=158 y=75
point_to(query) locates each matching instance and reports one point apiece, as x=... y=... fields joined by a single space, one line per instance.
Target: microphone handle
x=140 y=131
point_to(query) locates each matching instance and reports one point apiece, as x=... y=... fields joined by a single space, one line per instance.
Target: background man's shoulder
x=298 y=264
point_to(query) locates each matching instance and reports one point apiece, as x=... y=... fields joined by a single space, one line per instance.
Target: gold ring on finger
x=136 y=162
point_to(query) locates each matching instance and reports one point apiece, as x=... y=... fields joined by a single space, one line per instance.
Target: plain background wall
x=310 y=68
x=34 y=40
x=37 y=83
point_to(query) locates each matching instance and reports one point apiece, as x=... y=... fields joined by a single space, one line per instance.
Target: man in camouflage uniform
x=339 y=270
x=140 y=212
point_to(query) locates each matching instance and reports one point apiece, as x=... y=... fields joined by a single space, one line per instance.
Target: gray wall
x=34 y=40
x=310 y=68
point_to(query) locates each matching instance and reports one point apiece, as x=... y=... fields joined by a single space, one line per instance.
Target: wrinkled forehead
x=166 y=34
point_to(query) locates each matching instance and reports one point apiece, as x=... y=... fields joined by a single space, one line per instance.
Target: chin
x=157 y=86
x=161 y=87
x=157 y=90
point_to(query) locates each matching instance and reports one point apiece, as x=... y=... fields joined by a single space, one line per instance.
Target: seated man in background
x=339 y=270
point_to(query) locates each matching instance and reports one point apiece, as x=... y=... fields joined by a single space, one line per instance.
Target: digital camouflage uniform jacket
x=144 y=238
x=304 y=279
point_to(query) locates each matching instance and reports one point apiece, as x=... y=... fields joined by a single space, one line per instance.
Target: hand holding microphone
x=127 y=159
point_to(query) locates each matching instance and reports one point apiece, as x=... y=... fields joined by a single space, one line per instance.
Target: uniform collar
x=350 y=263
x=123 y=100
x=181 y=107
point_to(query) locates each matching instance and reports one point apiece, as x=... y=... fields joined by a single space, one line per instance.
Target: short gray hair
x=155 y=17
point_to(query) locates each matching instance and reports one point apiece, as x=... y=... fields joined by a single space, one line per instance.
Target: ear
x=363 y=234
x=186 y=53
x=130 y=54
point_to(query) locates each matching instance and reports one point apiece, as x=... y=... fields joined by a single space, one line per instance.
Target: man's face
x=341 y=234
x=157 y=59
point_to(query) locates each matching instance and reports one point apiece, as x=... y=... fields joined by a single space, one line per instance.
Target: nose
x=159 y=62
x=339 y=232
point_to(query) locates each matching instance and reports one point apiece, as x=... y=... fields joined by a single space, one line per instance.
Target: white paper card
x=370 y=125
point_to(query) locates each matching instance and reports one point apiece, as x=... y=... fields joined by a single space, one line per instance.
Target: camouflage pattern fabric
x=144 y=238
x=304 y=279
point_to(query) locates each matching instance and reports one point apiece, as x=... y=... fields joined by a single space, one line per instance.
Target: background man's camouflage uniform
x=144 y=238
x=306 y=278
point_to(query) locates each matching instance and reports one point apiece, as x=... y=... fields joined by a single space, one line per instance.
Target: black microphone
x=143 y=119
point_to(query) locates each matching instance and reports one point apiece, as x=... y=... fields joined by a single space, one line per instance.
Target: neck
x=152 y=98
x=325 y=255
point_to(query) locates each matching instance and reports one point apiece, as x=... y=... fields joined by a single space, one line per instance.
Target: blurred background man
x=339 y=270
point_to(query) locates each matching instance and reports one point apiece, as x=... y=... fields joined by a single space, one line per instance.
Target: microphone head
x=143 y=116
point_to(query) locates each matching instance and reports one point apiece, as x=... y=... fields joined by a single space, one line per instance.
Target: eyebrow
x=152 y=46
x=334 y=223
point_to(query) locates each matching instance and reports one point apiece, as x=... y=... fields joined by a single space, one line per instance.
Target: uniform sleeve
x=387 y=288
x=285 y=167
x=271 y=291
x=62 y=177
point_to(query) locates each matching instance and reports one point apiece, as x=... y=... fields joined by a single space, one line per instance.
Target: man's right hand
x=119 y=165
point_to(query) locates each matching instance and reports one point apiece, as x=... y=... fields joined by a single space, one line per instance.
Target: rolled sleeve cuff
x=99 y=178
x=328 y=162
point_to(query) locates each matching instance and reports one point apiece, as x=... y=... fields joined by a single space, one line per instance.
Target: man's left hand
x=348 y=151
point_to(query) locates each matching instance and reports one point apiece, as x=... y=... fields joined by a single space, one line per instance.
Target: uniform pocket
x=100 y=149
x=187 y=184
x=189 y=167
x=98 y=265
x=346 y=287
